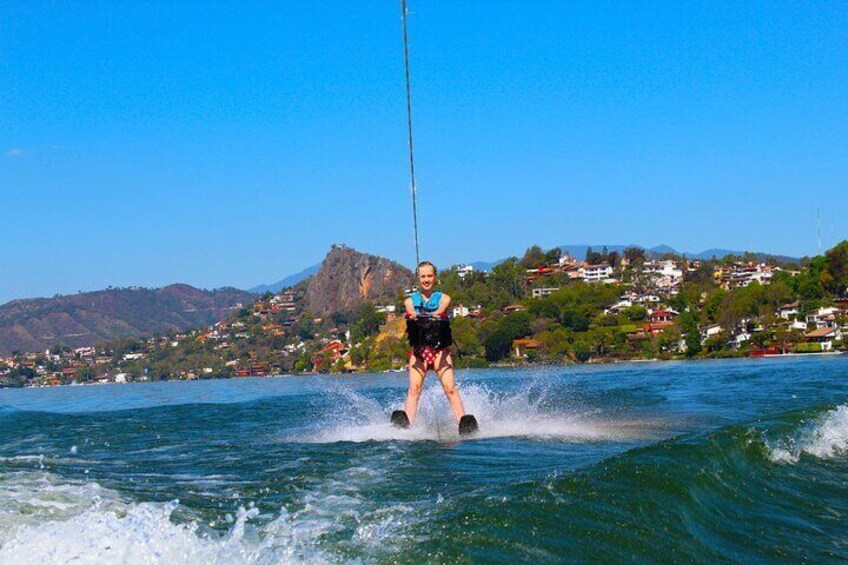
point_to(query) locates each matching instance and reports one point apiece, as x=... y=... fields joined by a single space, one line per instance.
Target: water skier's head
x=426 y=276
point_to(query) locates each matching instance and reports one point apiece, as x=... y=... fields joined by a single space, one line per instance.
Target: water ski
x=400 y=419
x=468 y=425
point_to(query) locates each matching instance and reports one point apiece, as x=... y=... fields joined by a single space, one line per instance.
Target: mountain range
x=85 y=318
x=287 y=282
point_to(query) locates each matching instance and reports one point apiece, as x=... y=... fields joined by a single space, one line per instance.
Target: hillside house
x=331 y=353
x=788 y=311
x=824 y=336
x=464 y=270
x=710 y=331
x=742 y=274
x=566 y=262
x=84 y=352
x=596 y=273
x=460 y=311
x=618 y=307
x=543 y=292
x=535 y=274
x=665 y=315
x=521 y=347
x=667 y=275
x=824 y=317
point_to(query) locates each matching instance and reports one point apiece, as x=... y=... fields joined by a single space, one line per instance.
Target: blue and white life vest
x=426 y=307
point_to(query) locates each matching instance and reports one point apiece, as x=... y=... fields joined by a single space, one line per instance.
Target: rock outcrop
x=347 y=278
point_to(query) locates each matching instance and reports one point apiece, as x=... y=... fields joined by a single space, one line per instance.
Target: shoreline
x=496 y=366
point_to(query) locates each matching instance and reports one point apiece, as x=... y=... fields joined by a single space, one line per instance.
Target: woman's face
x=427 y=277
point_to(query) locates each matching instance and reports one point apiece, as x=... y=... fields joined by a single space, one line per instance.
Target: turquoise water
x=696 y=462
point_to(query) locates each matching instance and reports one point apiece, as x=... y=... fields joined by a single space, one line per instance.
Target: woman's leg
x=444 y=369
x=416 y=380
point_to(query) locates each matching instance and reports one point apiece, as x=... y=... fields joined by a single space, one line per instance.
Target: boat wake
x=825 y=437
x=532 y=412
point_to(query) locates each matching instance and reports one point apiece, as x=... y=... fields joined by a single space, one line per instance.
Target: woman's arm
x=444 y=304
x=410 y=309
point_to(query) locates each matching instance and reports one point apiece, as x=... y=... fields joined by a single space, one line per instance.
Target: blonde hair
x=427 y=264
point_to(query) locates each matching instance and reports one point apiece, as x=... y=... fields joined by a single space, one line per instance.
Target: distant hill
x=83 y=319
x=578 y=251
x=290 y=280
x=347 y=278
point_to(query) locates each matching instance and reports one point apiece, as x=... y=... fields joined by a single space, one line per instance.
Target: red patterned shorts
x=428 y=356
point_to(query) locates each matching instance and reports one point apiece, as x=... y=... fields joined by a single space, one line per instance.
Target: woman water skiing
x=429 y=335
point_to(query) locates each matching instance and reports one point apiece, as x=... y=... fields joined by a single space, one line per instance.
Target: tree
x=517 y=325
x=689 y=325
x=498 y=345
x=509 y=278
x=465 y=336
x=703 y=273
x=636 y=313
x=553 y=256
x=368 y=322
x=544 y=308
x=582 y=351
x=837 y=268
x=533 y=258
x=593 y=257
x=634 y=254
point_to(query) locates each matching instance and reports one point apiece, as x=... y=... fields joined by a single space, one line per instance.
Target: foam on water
x=826 y=438
x=525 y=413
x=47 y=519
x=138 y=533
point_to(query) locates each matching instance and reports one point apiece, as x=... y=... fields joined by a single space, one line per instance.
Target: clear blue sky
x=145 y=143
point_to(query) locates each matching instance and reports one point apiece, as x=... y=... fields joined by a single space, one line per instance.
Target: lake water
x=693 y=462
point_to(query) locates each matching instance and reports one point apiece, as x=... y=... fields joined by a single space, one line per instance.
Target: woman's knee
x=415 y=388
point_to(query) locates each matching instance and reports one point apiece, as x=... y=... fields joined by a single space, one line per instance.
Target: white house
x=542 y=292
x=81 y=352
x=824 y=317
x=741 y=338
x=667 y=273
x=711 y=331
x=596 y=273
x=788 y=311
x=824 y=336
x=460 y=311
x=619 y=306
x=567 y=261
x=798 y=325
x=464 y=270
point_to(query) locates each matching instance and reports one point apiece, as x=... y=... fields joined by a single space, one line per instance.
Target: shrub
x=808 y=347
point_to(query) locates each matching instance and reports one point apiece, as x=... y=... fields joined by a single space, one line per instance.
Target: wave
x=704 y=498
x=826 y=437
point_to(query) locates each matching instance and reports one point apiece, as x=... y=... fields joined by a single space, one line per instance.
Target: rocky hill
x=347 y=278
x=83 y=319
